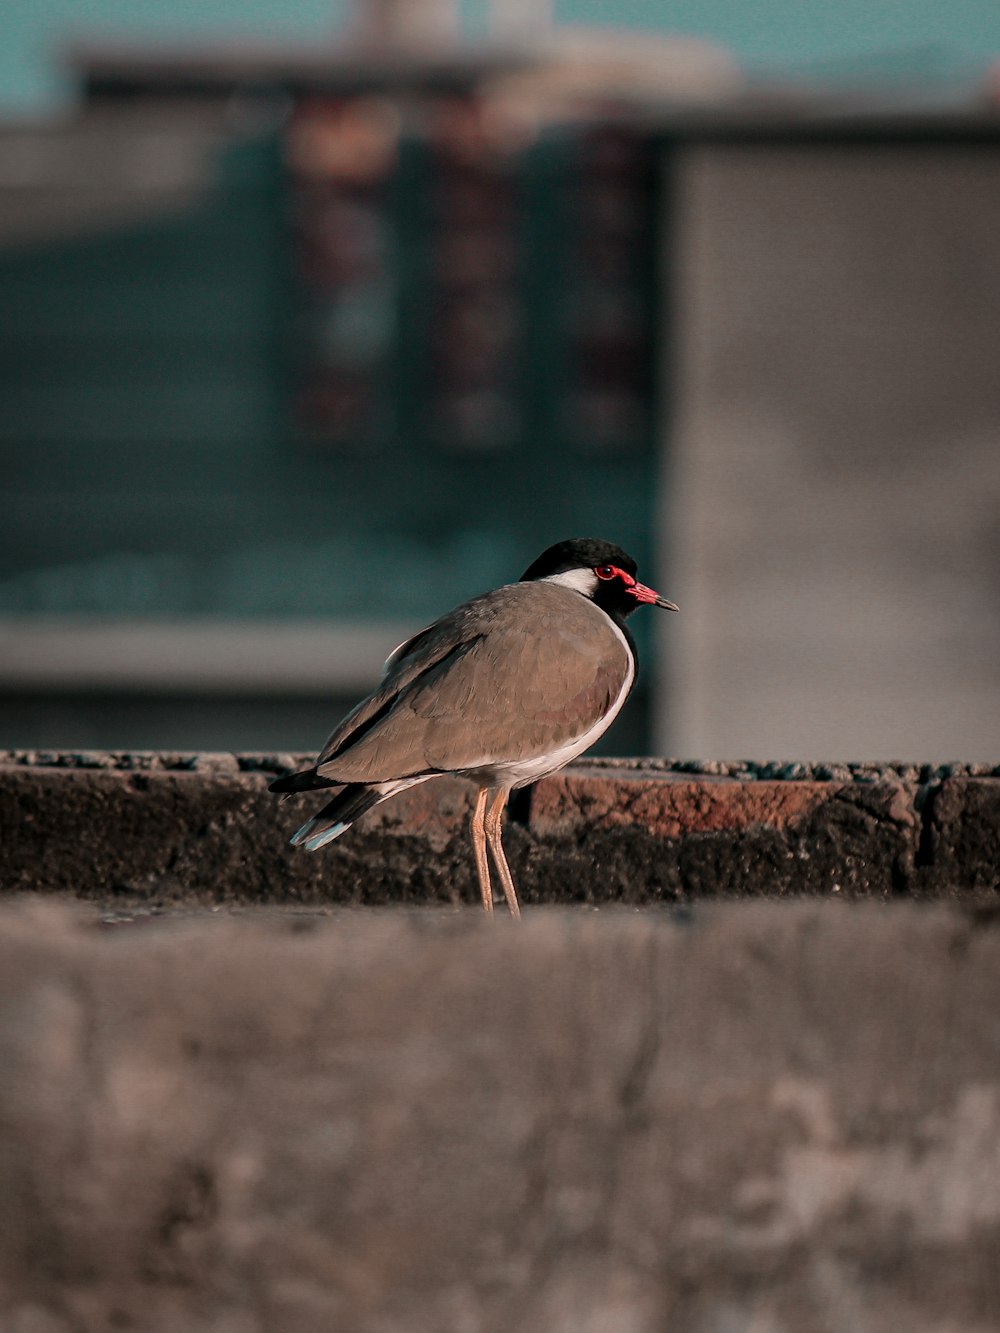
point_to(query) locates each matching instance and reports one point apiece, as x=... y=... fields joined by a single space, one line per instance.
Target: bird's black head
x=599 y=570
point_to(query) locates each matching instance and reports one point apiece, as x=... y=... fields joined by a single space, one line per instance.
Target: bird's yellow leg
x=494 y=834
x=479 y=847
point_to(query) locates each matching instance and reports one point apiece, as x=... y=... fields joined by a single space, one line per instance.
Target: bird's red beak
x=647 y=597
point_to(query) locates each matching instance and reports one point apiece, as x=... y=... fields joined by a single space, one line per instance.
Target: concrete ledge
x=782 y=1117
x=167 y=829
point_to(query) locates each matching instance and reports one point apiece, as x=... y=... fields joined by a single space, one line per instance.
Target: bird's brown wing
x=407 y=664
x=508 y=677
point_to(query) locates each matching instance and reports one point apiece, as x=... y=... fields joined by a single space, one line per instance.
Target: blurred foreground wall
x=774 y=1116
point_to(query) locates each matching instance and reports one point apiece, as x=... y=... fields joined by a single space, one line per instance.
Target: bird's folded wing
x=408 y=663
x=509 y=677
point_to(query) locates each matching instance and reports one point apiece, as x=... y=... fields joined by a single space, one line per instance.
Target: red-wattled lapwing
x=504 y=690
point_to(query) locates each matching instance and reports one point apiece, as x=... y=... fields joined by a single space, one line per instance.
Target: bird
x=503 y=690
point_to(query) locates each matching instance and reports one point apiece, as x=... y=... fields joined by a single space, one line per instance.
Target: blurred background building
x=313 y=324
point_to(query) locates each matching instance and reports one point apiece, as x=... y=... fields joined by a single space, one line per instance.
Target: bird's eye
x=605 y=571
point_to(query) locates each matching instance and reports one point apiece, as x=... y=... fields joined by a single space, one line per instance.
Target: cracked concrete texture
x=771 y=1116
x=669 y=809
x=159 y=829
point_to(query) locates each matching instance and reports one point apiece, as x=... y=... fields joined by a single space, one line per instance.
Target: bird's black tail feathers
x=307 y=779
x=337 y=815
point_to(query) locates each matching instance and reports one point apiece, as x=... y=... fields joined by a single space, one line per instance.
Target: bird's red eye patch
x=608 y=572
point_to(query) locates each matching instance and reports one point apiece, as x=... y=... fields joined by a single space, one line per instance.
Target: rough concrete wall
x=833 y=466
x=779 y=1117
x=157 y=830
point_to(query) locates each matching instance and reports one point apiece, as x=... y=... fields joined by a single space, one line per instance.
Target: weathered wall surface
x=159 y=829
x=779 y=1116
x=832 y=462
x=769 y=1116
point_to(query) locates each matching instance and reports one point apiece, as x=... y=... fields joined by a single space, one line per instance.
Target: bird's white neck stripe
x=580 y=580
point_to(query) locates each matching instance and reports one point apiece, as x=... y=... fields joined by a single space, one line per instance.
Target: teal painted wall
x=778 y=32
x=150 y=460
x=935 y=39
x=32 y=35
